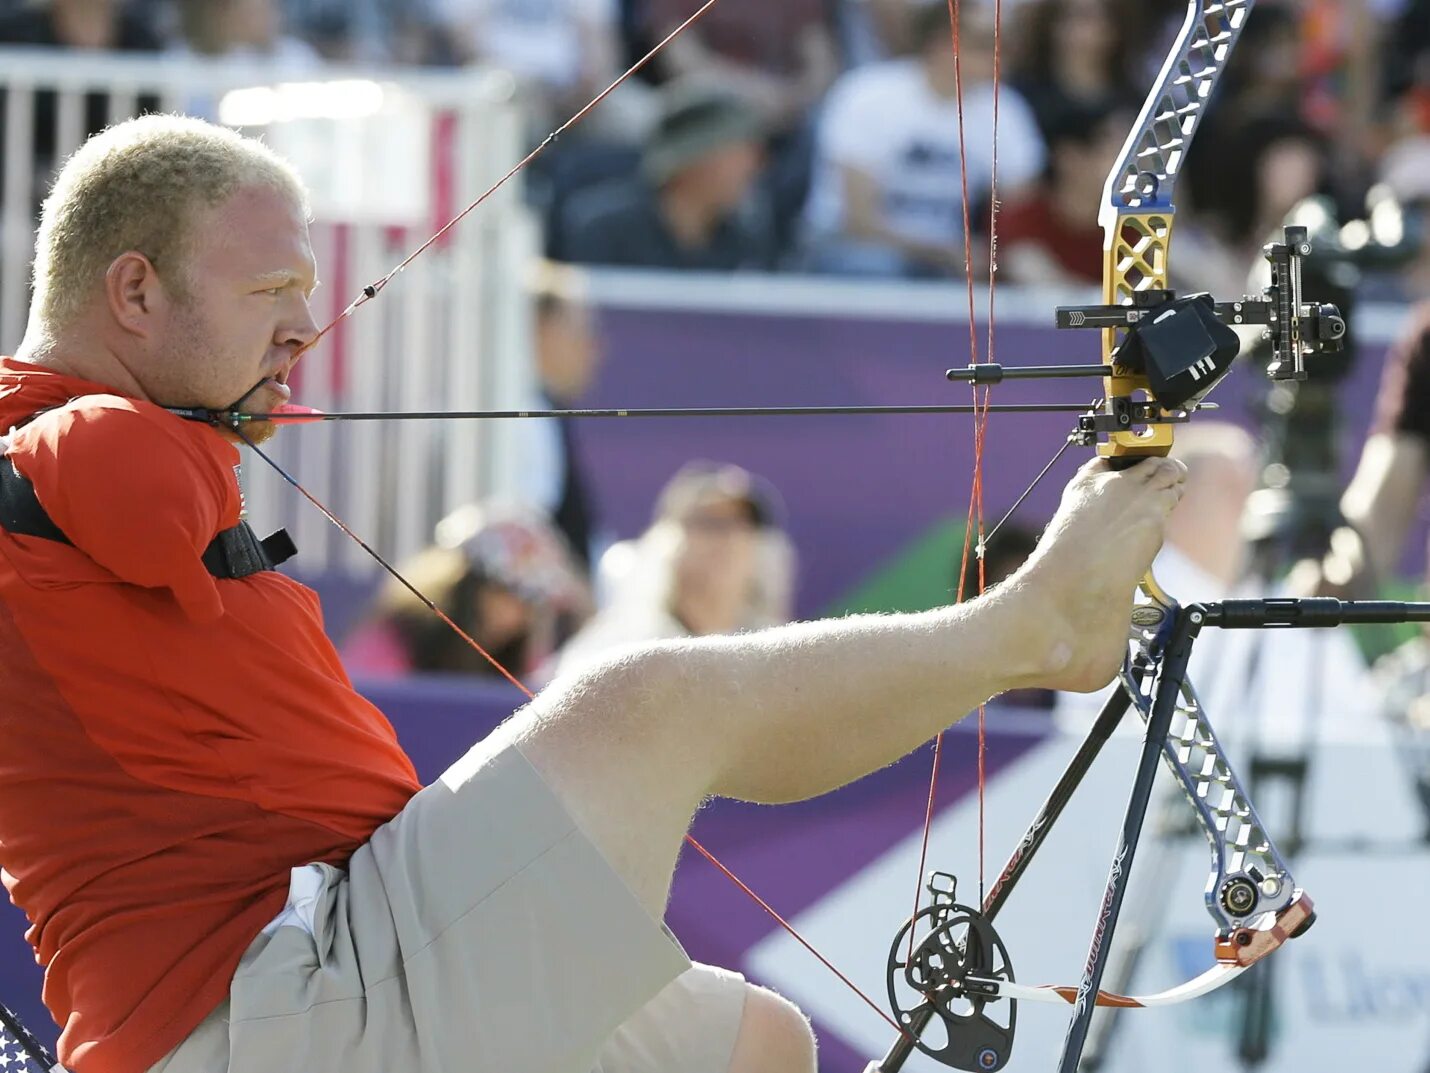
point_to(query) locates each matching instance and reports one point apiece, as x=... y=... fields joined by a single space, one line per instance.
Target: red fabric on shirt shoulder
x=138 y=490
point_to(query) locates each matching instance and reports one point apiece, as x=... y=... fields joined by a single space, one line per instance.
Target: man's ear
x=133 y=292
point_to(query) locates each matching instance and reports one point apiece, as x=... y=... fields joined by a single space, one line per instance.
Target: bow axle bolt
x=1239 y=896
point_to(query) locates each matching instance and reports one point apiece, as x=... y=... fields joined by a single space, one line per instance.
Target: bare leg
x=635 y=744
x=774 y=1036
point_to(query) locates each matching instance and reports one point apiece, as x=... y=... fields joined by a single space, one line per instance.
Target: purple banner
x=858 y=488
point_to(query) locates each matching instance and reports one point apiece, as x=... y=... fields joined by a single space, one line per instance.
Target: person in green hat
x=691 y=206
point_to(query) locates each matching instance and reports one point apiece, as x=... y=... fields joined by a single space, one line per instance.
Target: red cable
x=974 y=520
x=797 y=936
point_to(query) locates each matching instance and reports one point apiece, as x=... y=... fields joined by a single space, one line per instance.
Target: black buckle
x=237 y=552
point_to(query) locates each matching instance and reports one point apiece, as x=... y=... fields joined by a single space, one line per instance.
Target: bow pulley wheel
x=935 y=963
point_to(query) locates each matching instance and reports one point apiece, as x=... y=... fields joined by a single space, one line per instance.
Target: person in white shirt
x=562 y=52
x=715 y=560
x=887 y=193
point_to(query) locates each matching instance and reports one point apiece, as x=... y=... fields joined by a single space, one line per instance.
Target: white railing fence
x=389 y=156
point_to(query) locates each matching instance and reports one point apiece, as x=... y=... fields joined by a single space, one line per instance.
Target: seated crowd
x=714 y=560
x=824 y=137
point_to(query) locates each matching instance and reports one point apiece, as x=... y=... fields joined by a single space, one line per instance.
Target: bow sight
x=1183 y=346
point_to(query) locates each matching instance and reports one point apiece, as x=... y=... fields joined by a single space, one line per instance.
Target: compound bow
x=1164 y=354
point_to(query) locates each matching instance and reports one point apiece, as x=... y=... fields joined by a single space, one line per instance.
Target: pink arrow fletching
x=292 y=412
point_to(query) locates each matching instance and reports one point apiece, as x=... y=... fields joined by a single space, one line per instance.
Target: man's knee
x=621 y=770
x=775 y=1036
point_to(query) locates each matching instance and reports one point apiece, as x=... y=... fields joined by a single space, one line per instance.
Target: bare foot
x=1087 y=565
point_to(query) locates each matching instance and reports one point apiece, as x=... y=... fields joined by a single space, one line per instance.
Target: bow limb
x=1215 y=977
x=1138 y=210
x=1233 y=959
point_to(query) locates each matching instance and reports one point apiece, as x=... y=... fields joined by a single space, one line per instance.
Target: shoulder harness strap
x=234 y=553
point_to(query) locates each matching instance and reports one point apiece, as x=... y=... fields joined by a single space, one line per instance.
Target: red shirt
x=170 y=744
x=1077 y=249
x=752 y=33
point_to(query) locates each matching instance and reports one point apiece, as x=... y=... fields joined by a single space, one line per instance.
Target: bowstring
x=371 y=291
x=974 y=519
x=982 y=422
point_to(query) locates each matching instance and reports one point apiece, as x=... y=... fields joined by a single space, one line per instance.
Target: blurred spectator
x=1404 y=181
x=563 y=52
x=1264 y=76
x=1051 y=235
x=693 y=206
x=887 y=184
x=713 y=561
x=1407 y=66
x=113 y=25
x=81 y=25
x=1260 y=169
x=1383 y=499
x=780 y=58
x=1312 y=62
x=1206 y=554
x=1339 y=62
x=568 y=355
x=240 y=29
x=501 y=573
x=1074 y=56
x=372 y=31
x=874 y=30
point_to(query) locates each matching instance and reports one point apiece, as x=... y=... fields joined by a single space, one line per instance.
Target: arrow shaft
x=701 y=411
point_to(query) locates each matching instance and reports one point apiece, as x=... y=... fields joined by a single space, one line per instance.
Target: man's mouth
x=279 y=388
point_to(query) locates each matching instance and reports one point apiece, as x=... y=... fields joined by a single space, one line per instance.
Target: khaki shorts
x=478 y=930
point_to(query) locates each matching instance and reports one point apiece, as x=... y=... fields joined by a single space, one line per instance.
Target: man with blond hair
x=226 y=857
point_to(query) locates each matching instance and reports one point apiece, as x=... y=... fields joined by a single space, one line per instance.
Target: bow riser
x=1137 y=207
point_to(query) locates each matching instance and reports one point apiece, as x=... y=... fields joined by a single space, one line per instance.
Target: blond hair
x=138 y=186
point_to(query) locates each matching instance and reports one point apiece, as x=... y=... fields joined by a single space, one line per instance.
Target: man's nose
x=300 y=329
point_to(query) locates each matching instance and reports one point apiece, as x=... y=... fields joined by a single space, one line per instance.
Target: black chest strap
x=236 y=552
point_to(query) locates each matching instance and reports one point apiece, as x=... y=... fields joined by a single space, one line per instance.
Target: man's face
x=567 y=351
x=249 y=273
x=727 y=173
x=719 y=553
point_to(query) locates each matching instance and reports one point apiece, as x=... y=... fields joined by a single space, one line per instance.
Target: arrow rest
x=932 y=962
